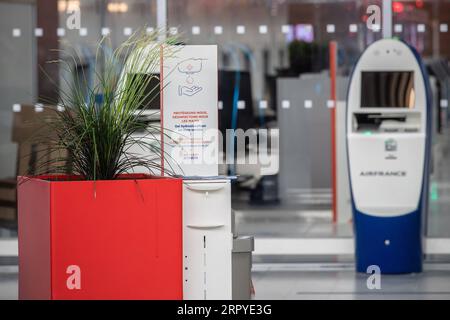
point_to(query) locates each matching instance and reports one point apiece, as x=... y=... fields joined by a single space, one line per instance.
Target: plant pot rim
x=77 y=178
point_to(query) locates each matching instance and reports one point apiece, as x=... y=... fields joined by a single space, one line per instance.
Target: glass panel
x=17 y=79
x=424 y=25
x=28 y=39
x=280 y=49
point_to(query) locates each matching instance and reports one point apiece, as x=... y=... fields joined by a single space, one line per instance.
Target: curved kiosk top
x=387 y=140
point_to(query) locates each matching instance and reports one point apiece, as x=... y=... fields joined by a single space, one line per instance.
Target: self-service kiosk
x=388 y=116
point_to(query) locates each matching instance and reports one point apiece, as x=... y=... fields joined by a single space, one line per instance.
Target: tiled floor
x=317 y=281
x=302 y=281
x=303 y=221
x=8 y=282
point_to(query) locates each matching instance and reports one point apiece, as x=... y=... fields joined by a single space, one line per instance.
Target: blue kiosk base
x=393 y=244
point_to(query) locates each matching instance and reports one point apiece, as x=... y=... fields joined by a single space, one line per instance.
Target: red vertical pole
x=161 y=104
x=333 y=66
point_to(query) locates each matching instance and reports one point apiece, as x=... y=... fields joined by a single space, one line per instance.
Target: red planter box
x=119 y=239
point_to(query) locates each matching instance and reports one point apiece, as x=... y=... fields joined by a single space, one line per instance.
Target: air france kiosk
x=388 y=113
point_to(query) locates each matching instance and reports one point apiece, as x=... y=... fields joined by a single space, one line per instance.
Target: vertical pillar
x=435 y=30
x=387 y=18
x=333 y=67
x=47 y=73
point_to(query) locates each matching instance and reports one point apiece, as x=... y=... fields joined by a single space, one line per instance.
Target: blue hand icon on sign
x=188 y=91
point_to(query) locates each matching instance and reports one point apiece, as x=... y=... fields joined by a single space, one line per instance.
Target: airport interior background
x=275 y=57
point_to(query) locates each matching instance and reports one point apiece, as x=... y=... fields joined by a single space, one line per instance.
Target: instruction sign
x=189 y=113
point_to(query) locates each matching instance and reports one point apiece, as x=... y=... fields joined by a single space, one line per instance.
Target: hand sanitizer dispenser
x=207 y=240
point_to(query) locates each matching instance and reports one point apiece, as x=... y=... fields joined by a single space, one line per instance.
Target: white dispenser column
x=207 y=240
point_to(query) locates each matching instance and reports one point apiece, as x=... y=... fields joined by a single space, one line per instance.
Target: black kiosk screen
x=387 y=89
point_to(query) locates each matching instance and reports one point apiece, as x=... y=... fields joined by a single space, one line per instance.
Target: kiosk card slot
x=386 y=122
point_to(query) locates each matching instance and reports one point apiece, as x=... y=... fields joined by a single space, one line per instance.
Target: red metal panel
x=34 y=239
x=124 y=235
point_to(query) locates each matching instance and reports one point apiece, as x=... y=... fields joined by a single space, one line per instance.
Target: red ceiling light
x=397 y=7
x=419 y=3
